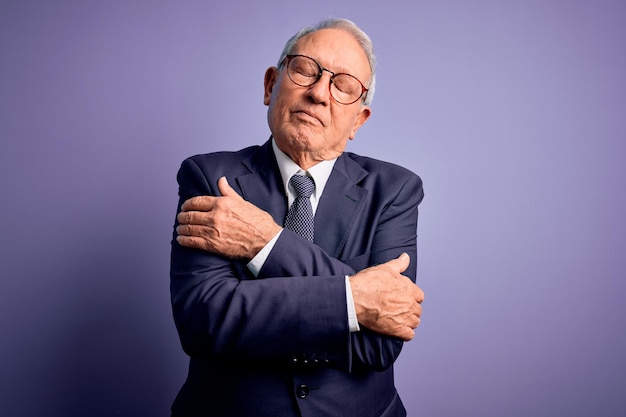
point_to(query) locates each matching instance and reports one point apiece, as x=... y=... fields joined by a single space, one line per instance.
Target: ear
x=364 y=113
x=271 y=76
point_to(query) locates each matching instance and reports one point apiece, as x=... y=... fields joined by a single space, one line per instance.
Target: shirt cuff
x=258 y=261
x=353 y=323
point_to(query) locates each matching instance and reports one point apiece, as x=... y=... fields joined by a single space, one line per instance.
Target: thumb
x=401 y=263
x=225 y=189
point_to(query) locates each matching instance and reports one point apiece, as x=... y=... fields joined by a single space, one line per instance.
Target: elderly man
x=293 y=262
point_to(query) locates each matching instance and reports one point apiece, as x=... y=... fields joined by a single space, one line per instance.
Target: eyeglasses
x=305 y=71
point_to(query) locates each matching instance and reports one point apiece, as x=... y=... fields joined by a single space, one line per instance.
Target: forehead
x=335 y=49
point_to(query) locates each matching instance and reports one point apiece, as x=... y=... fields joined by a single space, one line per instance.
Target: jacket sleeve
x=394 y=233
x=221 y=310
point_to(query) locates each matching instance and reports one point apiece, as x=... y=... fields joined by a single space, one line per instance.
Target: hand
x=386 y=301
x=226 y=225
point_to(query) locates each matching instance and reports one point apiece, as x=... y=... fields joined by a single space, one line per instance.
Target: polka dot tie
x=300 y=215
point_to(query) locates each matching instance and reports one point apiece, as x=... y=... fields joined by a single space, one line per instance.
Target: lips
x=310 y=115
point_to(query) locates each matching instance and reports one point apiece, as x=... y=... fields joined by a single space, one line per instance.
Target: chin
x=305 y=140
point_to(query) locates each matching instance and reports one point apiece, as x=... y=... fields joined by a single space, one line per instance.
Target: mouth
x=308 y=116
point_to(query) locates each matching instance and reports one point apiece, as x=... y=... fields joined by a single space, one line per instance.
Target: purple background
x=513 y=113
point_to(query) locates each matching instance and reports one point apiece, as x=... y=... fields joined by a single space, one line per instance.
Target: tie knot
x=303 y=184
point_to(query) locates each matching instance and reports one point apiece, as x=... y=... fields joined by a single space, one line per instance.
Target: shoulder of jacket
x=379 y=167
x=224 y=155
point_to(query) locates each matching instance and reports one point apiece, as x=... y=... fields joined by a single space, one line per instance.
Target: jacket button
x=302 y=391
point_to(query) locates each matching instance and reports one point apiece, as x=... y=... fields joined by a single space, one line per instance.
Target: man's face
x=306 y=123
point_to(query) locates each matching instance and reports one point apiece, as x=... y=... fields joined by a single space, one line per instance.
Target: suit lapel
x=263 y=186
x=339 y=206
x=337 y=210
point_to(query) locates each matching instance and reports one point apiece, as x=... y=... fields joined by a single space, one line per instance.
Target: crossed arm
x=386 y=302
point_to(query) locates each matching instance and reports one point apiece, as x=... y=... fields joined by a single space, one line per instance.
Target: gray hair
x=349 y=26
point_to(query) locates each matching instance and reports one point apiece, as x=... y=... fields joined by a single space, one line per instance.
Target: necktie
x=300 y=215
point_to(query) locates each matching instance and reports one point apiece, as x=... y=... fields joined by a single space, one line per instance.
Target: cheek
x=280 y=102
x=342 y=122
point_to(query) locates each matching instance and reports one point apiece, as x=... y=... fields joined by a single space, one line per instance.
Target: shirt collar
x=320 y=172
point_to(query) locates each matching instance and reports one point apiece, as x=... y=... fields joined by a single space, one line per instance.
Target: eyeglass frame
x=288 y=59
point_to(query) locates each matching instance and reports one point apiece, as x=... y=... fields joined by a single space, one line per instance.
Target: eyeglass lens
x=305 y=71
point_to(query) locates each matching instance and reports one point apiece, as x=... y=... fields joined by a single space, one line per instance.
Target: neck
x=304 y=161
x=307 y=159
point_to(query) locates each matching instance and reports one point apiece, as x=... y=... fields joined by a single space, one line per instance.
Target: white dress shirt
x=320 y=173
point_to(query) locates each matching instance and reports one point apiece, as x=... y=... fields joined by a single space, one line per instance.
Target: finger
x=413 y=321
x=182 y=217
x=191 y=242
x=187 y=230
x=407 y=334
x=225 y=189
x=192 y=217
x=199 y=203
x=419 y=297
x=418 y=310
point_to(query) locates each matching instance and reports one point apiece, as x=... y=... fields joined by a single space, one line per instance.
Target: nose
x=320 y=91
